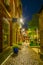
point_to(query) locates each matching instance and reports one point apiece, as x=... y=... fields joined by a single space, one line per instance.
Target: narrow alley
x=26 y=56
x=21 y=32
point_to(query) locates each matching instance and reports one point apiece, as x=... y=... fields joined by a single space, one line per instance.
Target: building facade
x=41 y=32
x=9 y=10
x=17 y=16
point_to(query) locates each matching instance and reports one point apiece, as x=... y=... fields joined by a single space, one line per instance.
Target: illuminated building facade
x=9 y=9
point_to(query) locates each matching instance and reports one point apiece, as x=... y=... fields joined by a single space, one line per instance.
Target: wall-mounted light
x=21 y=21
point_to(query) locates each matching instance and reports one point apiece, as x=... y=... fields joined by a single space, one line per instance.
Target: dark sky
x=30 y=7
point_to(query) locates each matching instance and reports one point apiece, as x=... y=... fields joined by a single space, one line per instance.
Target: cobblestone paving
x=26 y=56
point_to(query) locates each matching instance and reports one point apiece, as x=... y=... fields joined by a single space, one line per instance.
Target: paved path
x=26 y=56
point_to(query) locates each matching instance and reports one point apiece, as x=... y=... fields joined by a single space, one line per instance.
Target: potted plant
x=15 y=48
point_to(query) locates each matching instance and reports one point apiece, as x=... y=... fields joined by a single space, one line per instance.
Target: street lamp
x=21 y=21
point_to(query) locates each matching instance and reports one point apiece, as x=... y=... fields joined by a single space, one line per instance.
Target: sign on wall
x=14 y=19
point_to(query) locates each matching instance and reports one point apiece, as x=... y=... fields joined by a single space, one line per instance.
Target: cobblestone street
x=26 y=56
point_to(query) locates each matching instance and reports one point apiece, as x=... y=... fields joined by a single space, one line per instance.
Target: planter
x=34 y=44
x=15 y=48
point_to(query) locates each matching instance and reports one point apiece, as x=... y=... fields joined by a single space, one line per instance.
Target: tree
x=34 y=26
x=34 y=23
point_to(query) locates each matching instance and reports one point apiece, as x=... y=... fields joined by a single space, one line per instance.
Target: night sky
x=30 y=7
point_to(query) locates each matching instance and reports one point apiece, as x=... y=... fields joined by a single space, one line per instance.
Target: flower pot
x=15 y=50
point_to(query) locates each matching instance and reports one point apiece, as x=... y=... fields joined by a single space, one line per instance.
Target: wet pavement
x=25 y=56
